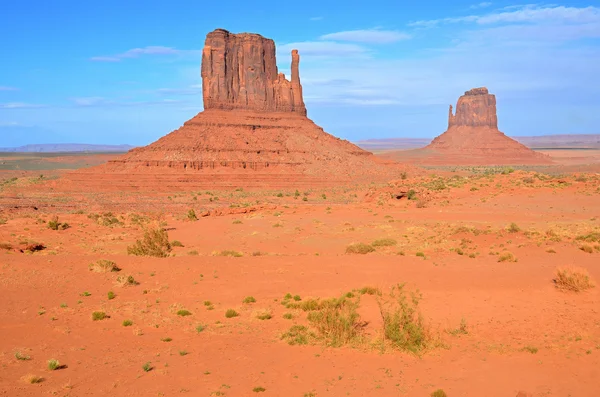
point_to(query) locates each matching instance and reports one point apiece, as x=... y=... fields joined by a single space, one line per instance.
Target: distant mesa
x=473 y=138
x=253 y=132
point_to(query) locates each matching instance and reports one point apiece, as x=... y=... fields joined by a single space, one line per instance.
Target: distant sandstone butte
x=254 y=132
x=474 y=109
x=239 y=71
x=473 y=137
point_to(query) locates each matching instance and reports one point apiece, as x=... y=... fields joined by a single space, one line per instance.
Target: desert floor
x=481 y=246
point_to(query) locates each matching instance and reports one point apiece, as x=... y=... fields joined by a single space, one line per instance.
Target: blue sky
x=129 y=71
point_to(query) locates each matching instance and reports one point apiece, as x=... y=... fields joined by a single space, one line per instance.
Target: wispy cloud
x=484 y=4
x=104 y=102
x=138 y=52
x=192 y=90
x=323 y=48
x=522 y=14
x=5 y=88
x=372 y=36
x=316 y=18
x=20 y=105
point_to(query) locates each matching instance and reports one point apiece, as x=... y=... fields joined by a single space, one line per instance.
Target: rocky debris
x=239 y=71
x=476 y=108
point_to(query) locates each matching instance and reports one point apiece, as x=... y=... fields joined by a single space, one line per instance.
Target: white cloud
x=103 y=102
x=137 y=52
x=322 y=48
x=374 y=36
x=528 y=13
x=20 y=105
x=484 y=4
x=5 y=88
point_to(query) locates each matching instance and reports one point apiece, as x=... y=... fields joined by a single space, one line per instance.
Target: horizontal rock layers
x=253 y=132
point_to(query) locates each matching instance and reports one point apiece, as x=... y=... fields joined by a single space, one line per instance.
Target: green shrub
x=147 y=367
x=513 y=228
x=103 y=266
x=249 y=299
x=127 y=323
x=54 y=224
x=111 y=295
x=184 y=313
x=53 y=365
x=573 y=279
x=96 y=316
x=258 y=389
x=191 y=215
x=439 y=393
x=155 y=243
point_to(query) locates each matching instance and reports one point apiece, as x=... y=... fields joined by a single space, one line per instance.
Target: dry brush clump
x=154 y=243
x=359 y=248
x=574 y=279
x=103 y=266
x=336 y=322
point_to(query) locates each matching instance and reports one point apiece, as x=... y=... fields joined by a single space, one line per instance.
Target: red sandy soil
x=507 y=306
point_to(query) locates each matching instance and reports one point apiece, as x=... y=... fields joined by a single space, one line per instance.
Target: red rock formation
x=253 y=133
x=239 y=71
x=473 y=137
x=476 y=108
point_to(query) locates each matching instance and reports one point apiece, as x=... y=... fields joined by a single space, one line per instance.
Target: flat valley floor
x=285 y=292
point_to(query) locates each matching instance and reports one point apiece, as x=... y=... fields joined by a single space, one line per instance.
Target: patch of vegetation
x=403 y=324
x=155 y=243
x=22 y=357
x=127 y=323
x=33 y=379
x=53 y=365
x=337 y=325
x=234 y=254
x=183 y=353
x=384 y=242
x=249 y=299
x=191 y=215
x=513 y=228
x=97 y=316
x=297 y=335
x=574 y=279
x=530 y=349
x=111 y=295
x=461 y=330
x=587 y=248
x=264 y=315
x=184 y=313
x=439 y=393
x=147 y=367
x=104 y=266
x=200 y=328
x=592 y=237
x=359 y=248
x=368 y=290
x=6 y=246
x=507 y=257
x=193 y=253
x=125 y=281
x=230 y=313
x=167 y=339
x=176 y=243
x=54 y=224
x=420 y=254
x=288 y=316
x=237 y=222
x=258 y=389
x=109 y=220
x=411 y=195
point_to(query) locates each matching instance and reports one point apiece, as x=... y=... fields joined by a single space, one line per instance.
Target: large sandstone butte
x=253 y=132
x=473 y=138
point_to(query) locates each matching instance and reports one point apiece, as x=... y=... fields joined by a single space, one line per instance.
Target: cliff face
x=476 y=108
x=239 y=71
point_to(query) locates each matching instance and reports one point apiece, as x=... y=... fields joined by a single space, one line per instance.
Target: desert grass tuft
x=439 y=393
x=249 y=299
x=507 y=257
x=384 y=242
x=97 y=316
x=184 y=312
x=103 y=266
x=359 y=248
x=230 y=313
x=154 y=243
x=574 y=279
x=32 y=379
x=53 y=365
